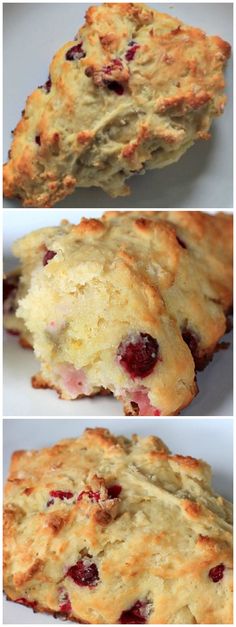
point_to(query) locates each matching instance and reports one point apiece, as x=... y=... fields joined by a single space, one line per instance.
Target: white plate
x=202 y=178
x=215 y=396
x=187 y=437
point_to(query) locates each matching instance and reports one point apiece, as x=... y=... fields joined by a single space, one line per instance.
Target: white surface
x=215 y=383
x=210 y=440
x=202 y=178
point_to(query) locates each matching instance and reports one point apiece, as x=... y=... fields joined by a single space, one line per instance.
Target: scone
x=103 y=529
x=133 y=91
x=132 y=304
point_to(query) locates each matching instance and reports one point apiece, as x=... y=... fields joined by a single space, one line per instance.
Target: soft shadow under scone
x=134 y=91
x=131 y=304
x=100 y=518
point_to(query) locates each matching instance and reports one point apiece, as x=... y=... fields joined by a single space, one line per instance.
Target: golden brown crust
x=158 y=537
x=140 y=90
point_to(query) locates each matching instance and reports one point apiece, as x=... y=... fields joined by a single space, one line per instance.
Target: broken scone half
x=130 y=304
x=133 y=91
x=102 y=515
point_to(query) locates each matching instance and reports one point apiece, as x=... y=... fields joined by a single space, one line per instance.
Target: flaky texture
x=132 y=303
x=134 y=91
x=147 y=520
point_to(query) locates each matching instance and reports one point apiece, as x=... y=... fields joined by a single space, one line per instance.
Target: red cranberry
x=138 y=354
x=48 y=256
x=114 y=491
x=64 y=601
x=216 y=573
x=60 y=494
x=47 y=85
x=76 y=52
x=24 y=601
x=12 y=332
x=93 y=496
x=84 y=573
x=191 y=340
x=132 y=51
x=9 y=285
x=116 y=87
x=38 y=140
x=136 y=615
x=50 y=502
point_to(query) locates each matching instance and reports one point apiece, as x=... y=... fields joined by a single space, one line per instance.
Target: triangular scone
x=130 y=303
x=106 y=530
x=135 y=90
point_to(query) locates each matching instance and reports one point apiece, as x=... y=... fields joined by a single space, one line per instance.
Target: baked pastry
x=133 y=91
x=132 y=303
x=100 y=517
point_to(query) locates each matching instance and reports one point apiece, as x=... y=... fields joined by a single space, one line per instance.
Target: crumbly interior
x=114 y=279
x=155 y=543
x=140 y=88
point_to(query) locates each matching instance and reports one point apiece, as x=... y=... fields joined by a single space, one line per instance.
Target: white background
x=202 y=178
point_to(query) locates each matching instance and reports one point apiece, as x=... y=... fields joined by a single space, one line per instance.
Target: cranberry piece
x=216 y=573
x=47 y=86
x=60 y=494
x=24 y=601
x=138 y=354
x=180 y=242
x=116 y=87
x=136 y=615
x=50 y=502
x=93 y=496
x=76 y=52
x=12 y=332
x=48 y=256
x=114 y=491
x=84 y=573
x=132 y=51
x=191 y=340
x=9 y=285
x=38 y=140
x=64 y=601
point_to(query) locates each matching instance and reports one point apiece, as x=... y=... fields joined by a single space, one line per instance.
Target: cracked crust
x=104 y=115
x=156 y=541
x=117 y=274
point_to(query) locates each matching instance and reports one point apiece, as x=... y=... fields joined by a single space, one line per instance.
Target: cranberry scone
x=100 y=517
x=133 y=91
x=131 y=304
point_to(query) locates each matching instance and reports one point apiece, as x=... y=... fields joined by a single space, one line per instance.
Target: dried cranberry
x=114 y=491
x=38 y=140
x=136 y=615
x=116 y=87
x=191 y=340
x=47 y=86
x=180 y=242
x=217 y=573
x=84 y=573
x=9 y=285
x=64 y=601
x=60 y=494
x=93 y=496
x=12 y=332
x=138 y=354
x=76 y=52
x=24 y=601
x=132 y=51
x=48 y=256
x=50 y=502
